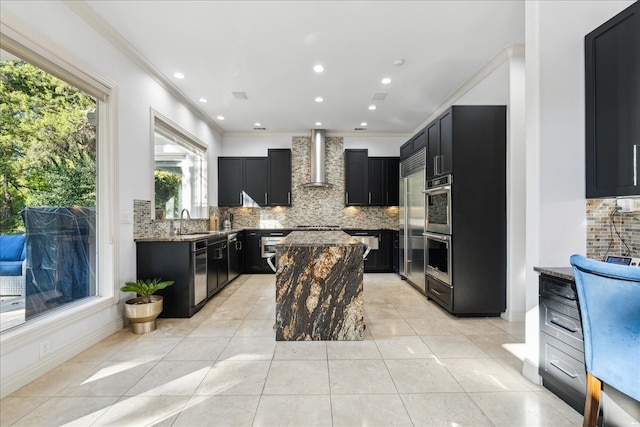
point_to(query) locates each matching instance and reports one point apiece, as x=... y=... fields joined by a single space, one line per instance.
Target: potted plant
x=143 y=310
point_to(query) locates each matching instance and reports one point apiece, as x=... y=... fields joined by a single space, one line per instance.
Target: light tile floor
x=418 y=366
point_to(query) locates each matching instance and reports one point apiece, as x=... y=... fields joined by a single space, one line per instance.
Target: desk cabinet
x=561 y=364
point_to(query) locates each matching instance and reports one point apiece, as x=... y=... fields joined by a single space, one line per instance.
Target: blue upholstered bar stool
x=609 y=301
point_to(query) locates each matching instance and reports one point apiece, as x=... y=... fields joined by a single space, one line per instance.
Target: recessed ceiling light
x=258 y=124
x=203 y=100
x=178 y=75
x=386 y=81
x=372 y=107
x=398 y=62
x=318 y=68
x=363 y=124
x=220 y=117
x=318 y=123
x=319 y=99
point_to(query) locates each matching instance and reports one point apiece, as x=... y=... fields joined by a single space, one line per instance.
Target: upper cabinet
x=370 y=181
x=439 y=145
x=279 y=177
x=356 y=177
x=230 y=181
x=612 y=77
x=255 y=181
x=418 y=141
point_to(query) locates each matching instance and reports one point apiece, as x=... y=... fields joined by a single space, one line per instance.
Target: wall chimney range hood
x=318 y=156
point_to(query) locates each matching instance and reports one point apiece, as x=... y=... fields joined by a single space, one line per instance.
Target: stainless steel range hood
x=318 y=155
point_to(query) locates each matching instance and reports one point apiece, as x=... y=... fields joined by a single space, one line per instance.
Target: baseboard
x=24 y=377
x=530 y=372
x=514 y=316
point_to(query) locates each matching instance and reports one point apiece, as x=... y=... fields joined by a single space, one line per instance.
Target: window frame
x=188 y=141
x=105 y=92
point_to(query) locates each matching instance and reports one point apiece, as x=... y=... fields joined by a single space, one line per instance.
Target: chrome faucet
x=184 y=227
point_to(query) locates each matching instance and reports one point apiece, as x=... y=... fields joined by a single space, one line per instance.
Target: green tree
x=47 y=143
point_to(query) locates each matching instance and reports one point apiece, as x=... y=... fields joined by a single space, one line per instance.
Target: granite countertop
x=191 y=237
x=560 y=272
x=318 y=238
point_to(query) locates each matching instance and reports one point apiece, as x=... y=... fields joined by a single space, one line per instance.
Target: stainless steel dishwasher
x=199 y=268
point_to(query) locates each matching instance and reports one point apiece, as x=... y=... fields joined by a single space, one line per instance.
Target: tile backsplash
x=611 y=232
x=309 y=206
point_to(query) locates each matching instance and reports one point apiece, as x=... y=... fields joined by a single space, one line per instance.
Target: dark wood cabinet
x=415 y=144
x=612 y=96
x=171 y=261
x=383 y=185
x=561 y=363
x=252 y=252
x=356 y=177
x=478 y=211
x=371 y=181
x=255 y=181
x=378 y=260
x=440 y=145
x=230 y=181
x=279 y=177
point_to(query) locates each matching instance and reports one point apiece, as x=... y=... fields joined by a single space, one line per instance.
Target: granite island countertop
x=318 y=238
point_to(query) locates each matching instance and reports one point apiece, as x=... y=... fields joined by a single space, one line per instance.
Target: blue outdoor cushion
x=12 y=247
x=11 y=268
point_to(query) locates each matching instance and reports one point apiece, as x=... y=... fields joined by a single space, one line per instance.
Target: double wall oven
x=437 y=235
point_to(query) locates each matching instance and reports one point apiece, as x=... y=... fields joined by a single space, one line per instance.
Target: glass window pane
x=180 y=174
x=48 y=213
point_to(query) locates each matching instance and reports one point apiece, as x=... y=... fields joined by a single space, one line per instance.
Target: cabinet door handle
x=238 y=245
x=435 y=292
x=289 y=197
x=555 y=364
x=241 y=199
x=346 y=198
x=369 y=197
x=563 y=325
x=265 y=199
x=387 y=198
x=635 y=164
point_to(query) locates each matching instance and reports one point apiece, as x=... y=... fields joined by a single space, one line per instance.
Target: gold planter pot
x=143 y=316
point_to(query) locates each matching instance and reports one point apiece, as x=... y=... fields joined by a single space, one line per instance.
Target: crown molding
x=87 y=14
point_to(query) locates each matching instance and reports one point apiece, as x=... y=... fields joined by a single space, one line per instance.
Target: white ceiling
x=267 y=49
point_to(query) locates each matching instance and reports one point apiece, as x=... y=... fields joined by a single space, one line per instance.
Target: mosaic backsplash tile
x=611 y=232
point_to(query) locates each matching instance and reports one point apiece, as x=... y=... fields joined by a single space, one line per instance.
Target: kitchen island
x=319 y=287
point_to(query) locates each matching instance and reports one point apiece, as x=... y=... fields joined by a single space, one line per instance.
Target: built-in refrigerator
x=411 y=216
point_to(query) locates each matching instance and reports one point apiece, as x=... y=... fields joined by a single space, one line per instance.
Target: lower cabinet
x=380 y=259
x=561 y=363
x=217 y=266
x=173 y=261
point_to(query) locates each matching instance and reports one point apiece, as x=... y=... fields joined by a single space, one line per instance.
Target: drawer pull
x=436 y=292
x=564 y=371
x=557 y=290
x=569 y=328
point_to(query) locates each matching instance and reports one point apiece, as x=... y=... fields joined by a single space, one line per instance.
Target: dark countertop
x=318 y=238
x=560 y=272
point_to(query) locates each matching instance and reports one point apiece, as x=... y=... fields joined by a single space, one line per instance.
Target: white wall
x=53 y=25
x=555 y=140
x=257 y=145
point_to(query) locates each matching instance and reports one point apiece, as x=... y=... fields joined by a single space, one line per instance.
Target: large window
x=180 y=172
x=48 y=187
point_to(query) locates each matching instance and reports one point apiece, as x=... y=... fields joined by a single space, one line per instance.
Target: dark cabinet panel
x=612 y=77
x=440 y=145
x=251 y=181
x=395 y=252
x=170 y=261
x=252 y=252
x=377 y=181
x=255 y=179
x=356 y=177
x=230 y=181
x=279 y=177
x=371 y=181
x=392 y=181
